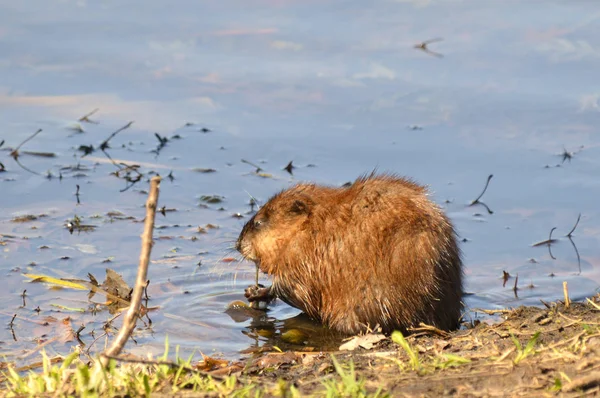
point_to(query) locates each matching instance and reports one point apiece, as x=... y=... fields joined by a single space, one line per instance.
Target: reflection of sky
x=335 y=84
x=326 y=60
x=511 y=77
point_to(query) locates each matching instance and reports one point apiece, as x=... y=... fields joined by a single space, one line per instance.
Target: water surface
x=336 y=87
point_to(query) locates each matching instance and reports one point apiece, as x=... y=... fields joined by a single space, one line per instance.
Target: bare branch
x=484 y=189
x=15 y=153
x=575 y=226
x=85 y=118
x=133 y=312
x=104 y=144
x=258 y=168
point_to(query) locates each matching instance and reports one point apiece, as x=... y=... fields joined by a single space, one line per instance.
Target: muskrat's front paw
x=258 y=296
x=250 y=291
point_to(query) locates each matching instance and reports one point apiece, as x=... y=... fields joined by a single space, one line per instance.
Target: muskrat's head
x=276 y=228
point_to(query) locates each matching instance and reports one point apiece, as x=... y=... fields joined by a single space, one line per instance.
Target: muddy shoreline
x=531 y=352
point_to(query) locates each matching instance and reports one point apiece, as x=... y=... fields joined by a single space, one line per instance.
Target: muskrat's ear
x=299 y=207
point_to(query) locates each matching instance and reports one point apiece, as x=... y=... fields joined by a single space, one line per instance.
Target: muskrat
x=374 y=253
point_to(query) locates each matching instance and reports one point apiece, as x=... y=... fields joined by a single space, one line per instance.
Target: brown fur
x=378 y=252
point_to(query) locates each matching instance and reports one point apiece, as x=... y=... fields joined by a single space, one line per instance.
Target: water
x=336 y=87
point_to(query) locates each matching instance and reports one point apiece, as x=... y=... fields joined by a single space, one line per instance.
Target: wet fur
x=377 y=252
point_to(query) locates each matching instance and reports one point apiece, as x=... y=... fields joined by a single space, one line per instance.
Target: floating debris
x=212 y=199
x=27 y=218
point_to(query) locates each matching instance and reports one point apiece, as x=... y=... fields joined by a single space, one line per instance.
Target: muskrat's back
x=377 y=252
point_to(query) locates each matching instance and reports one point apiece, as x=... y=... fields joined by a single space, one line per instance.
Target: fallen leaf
x=210 y=363
x=366 y=341
x=116 y=285
x=55 y=281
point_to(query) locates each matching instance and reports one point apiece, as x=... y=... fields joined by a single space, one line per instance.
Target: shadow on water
x=234 y=107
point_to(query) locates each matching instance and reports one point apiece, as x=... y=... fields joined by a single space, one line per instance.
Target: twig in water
x=23 y=296
x=575 y=226
x=77 y=194
x=127 y=169
x=15 y=152
x=423 y=46
x=548 y=242
x=108 y=324
x=78 y=336
x=258 y=169
x=39 y=347
x=515 y=288
x=85 y=118
x=112 y=160
x=484 y=189
x=104 y=144
x=27 y=169
x=146 y=291
x=476 y=201
x=577 y=253
x=94 y=342
x=133 y=311
x=550 y=247
x=11 y=324
x=146 y=299
x=130 y=180
x=40 y=154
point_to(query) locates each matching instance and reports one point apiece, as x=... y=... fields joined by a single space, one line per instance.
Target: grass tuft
x=529 y=349
x=348 y=384
x=413 y=356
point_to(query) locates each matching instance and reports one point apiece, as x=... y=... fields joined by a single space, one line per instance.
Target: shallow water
x=336 y=87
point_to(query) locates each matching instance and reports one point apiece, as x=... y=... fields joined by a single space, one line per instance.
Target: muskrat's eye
x=258 y=223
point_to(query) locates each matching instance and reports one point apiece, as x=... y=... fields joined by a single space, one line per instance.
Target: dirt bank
x=532 y=352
